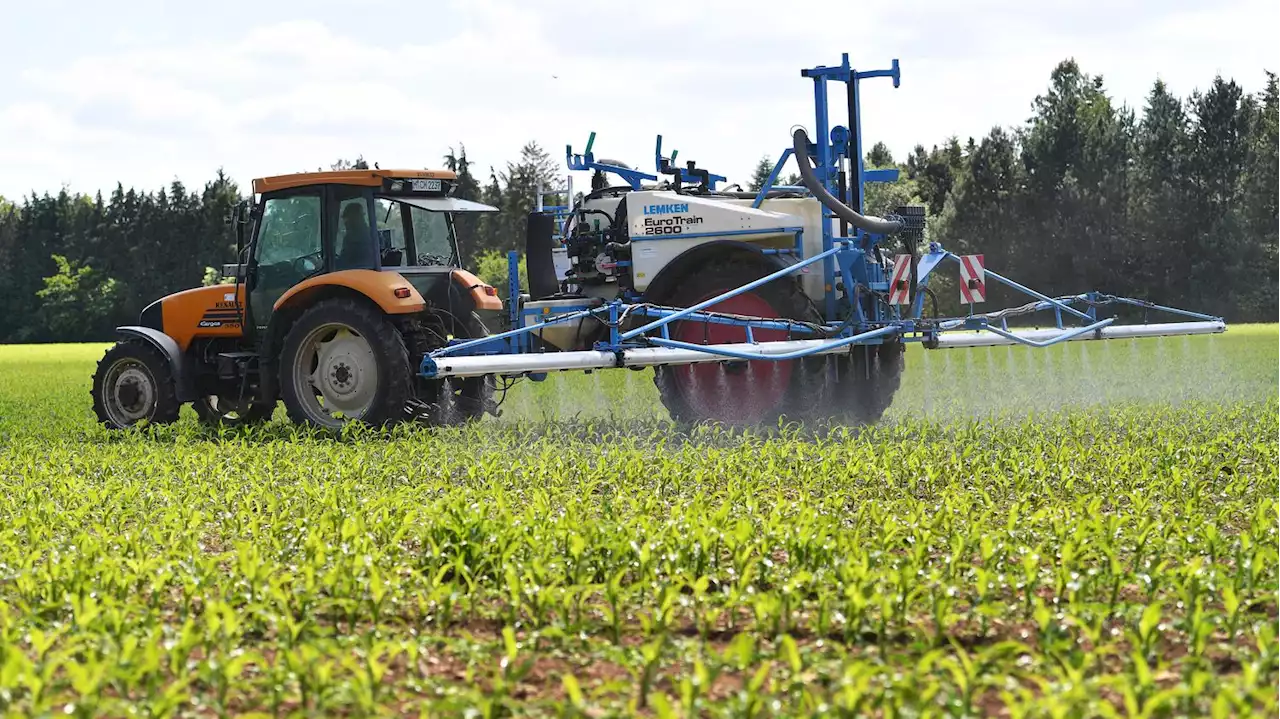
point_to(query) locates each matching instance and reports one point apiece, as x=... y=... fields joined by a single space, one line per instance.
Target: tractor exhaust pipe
x=874 y=225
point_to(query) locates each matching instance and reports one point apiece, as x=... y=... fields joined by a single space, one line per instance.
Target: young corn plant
x=1060 y=558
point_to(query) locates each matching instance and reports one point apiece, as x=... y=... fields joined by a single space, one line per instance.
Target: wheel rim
x=335 y=375
x=738 y=393
x=129 y=392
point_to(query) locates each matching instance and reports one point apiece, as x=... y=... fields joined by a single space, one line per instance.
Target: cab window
x=393 y=240
x=290 y=229
x=287 y=251
x=353 y=247
x=432 y=236
x=410 y=236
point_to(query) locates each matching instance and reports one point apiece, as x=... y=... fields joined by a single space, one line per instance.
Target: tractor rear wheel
x=736 y=393
x=134 y=383
x=343 y=361
x=459 y=400
x=223 y=411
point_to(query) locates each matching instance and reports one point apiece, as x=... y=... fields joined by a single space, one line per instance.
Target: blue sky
x=143 y=94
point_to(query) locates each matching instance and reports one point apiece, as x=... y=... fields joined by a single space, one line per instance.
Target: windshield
x=413 y=237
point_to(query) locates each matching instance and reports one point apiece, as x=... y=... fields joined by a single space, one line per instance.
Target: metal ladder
x=561 y=210
x=560 y=213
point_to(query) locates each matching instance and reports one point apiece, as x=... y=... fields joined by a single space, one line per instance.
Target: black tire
x=134 y=383
x=457 y=401
x=786 y=299
x=393 y=375
x=210 y=411
x=876 y=380
x=857 y=387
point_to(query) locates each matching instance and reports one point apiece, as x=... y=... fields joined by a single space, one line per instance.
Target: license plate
x=426 y=185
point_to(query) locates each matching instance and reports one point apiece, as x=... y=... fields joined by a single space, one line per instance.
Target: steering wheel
x=308 y=264
x=426 y=258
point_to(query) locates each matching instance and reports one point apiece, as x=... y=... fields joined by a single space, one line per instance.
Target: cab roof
x=362 y=178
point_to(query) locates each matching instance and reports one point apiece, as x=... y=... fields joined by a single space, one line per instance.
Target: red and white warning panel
x=900 y=281
x=973 y=279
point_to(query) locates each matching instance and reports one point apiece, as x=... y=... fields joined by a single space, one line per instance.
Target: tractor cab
x=345 y=280
x=308 y=225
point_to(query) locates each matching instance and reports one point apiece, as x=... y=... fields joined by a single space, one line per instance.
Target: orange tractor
x=345 y=280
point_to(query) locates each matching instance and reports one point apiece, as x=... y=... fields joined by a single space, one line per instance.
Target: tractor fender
x=688 y=262
x=168 y=346
x=293 y=303
x=483 y=295
x=379 y=286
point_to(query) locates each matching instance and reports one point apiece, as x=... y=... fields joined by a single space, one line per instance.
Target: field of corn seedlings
x=1088 y=530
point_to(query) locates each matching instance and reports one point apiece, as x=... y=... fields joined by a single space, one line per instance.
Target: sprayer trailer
x=789 y=302
x=752 y=306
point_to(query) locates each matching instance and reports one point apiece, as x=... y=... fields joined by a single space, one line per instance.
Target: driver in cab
x=355 y=242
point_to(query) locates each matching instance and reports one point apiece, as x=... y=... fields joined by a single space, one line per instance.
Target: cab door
x=288 y=247
x=350 y=213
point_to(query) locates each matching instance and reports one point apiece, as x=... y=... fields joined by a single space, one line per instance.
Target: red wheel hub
x=738 y=392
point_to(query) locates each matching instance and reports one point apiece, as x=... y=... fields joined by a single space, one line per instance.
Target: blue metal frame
x=831 y=147
x=824 y=256
x=773 y=177
x=863 y=338
x=685 y=175
x=587 y=161
x=848 y=318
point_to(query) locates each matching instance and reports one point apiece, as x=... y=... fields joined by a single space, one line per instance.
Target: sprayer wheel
x=741 y=393
x=857 y=387
x=875 y=396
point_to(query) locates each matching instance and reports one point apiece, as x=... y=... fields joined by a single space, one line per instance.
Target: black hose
x=607 y=216
x=909 y=242
x=874 y=225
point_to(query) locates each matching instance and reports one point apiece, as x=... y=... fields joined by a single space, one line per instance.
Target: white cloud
x=720 y=81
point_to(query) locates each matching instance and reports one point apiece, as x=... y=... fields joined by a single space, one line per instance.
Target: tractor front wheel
x=134 y=383
x=343 y=360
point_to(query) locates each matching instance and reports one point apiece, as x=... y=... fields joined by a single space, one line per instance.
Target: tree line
x=73 y=266
x=1177 y=204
